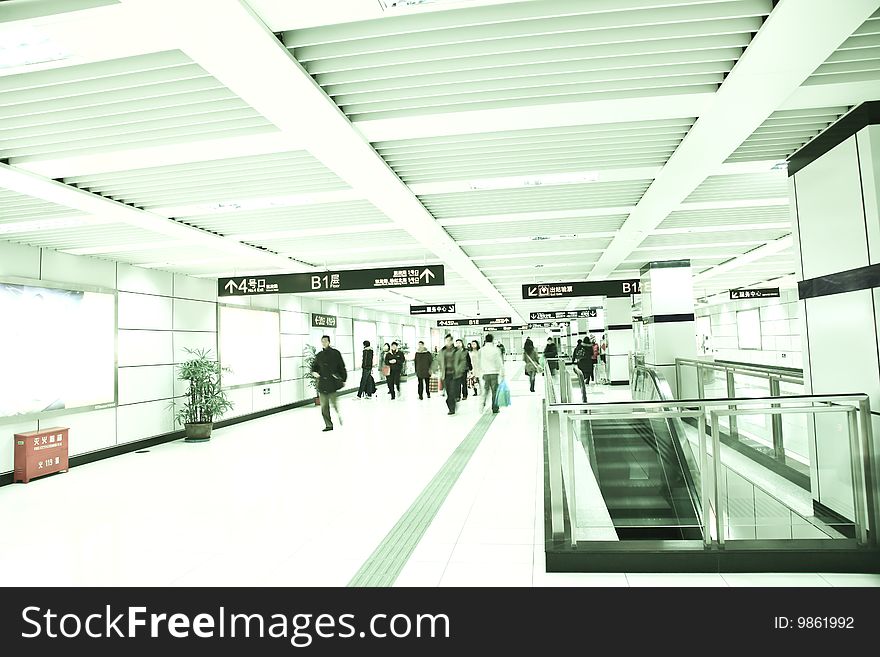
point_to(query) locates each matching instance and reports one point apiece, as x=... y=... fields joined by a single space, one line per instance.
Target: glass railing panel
x=761 y=498
x=795 y=429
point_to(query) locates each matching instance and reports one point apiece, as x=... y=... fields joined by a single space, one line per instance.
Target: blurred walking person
x=492 y=364
x=551 y=353
x=423 y=362
x=329 y=368
x=367 y=386
x=530 y=358
x=394 y=359
x=462 y=391
x=453 y=365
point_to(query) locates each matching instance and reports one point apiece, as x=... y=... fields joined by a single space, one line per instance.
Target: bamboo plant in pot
x=205 y=399
x=309 y=355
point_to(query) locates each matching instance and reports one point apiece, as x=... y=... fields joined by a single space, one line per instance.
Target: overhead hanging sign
x=482 y=321
x=332 y=281
x=756 y=293
x=563 y=314
x=526 y=327
x=323 y=321
x=619 y=288
x=435 y=309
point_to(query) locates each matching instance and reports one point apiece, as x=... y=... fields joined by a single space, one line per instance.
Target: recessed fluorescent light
x=51 y=224
x=23 y=46
x=535 y=181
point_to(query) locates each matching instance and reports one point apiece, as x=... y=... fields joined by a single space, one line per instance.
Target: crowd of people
x=461 y=370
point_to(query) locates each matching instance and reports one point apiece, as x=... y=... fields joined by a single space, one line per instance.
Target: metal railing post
x=776 y=423
x=557 y=520
x=731 y=393
x=704 y=483
x=872 y=470
x=857 y=480
x=717 y=467
x=571 y=491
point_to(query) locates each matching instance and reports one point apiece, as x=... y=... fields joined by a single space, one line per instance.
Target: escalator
x=643 y=477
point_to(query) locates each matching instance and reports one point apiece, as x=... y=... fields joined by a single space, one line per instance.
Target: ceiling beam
x=238 y=45
x=31 y=184
x=797 y=37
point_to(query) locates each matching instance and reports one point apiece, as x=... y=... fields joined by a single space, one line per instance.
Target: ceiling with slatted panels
x=515 y=141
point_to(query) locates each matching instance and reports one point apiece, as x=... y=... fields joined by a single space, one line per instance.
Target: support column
x=596 y=325
x=668 y=314
x=834 y=183
x=619 y=332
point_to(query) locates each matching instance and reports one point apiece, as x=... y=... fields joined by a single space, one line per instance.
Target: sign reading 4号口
x=332 y=281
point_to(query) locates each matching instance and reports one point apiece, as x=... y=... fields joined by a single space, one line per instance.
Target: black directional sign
x=332 y=281
x=323 y=321
x=435 y=309
x=482 y=321
x=563 y=314
x=756 y=293
x=619 y=288
x=525 y=327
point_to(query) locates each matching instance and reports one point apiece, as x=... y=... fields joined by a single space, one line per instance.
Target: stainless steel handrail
x=750 y=370
x=864 y=463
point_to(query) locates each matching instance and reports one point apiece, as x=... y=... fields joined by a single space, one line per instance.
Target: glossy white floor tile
x=276 y=502
x=675 y=579
x=774 y=579
x=580 y=579
x=850 y=579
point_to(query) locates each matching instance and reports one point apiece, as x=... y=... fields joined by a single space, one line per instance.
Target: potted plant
x=309 y=355
x=205 y=399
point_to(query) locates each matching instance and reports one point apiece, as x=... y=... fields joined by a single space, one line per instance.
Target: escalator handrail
x=664 y=391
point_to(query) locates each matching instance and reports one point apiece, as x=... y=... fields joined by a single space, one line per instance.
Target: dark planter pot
x=198 y=432
x=317 y=401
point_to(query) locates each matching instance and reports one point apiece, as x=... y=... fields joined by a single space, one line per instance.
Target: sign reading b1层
x=757 y=293
x=323 y=321
x=619 y=288
x=436 y=309
x=484 y=321
x=332 y=281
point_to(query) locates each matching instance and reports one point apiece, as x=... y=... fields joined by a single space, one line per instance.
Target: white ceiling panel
x=219 y=181
x=125 y=103
x=535 y=199
x=534 y=152
x=520 y=54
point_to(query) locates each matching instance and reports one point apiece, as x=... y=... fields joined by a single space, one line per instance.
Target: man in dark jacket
x=329 y=368
x=394 y=359
x=367 y=387
x=550 y=353
x=423 y=360
x=453 y=366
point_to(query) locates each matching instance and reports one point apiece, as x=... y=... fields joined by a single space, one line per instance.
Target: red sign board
x=39 y=453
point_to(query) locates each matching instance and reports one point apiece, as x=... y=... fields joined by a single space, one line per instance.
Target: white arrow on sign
x=230 y=286
x=533 y=292
x=427 y=275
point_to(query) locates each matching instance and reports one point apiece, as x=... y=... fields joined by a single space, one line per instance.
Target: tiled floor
x=314 y=509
